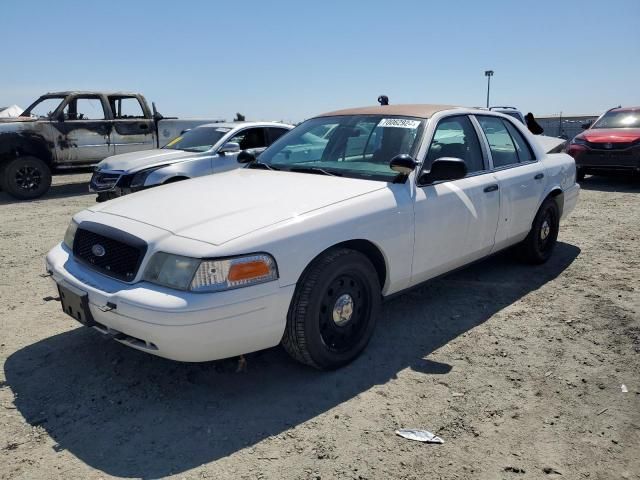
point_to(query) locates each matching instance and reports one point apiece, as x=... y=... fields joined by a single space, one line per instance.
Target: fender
x=20 y=143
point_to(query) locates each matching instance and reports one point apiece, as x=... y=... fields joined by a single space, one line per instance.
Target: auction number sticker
x=399 y=123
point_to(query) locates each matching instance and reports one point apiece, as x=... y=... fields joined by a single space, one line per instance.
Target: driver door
x=455 y=221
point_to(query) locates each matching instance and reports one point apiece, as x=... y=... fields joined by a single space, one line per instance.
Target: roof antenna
x=383 y=100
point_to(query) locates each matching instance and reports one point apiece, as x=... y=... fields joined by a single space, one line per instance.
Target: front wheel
x=26 y=178
x=334 y=310
x=542 y=238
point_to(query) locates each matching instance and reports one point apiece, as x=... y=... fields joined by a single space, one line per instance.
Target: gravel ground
x=519 y=369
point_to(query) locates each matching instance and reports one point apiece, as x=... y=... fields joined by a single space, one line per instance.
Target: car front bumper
x=589 y=159
x=178 y=325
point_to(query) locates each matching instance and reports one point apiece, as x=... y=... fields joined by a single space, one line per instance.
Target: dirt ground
x=519 y=369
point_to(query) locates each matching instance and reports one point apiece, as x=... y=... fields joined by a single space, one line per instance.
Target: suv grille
x=112 y=252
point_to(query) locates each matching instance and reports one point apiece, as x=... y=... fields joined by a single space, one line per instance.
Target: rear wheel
x=541 y=240
x=334 y=310
x=26 y=178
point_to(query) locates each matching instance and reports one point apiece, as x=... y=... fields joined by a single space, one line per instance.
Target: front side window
x=43 y=108
x=126 y=107
x=455 y=137
x=275 y=133
x=199 y=139
x=629 y=119
x=250 y=138
x=84 y=108
x=359 y=146
x=503 y=149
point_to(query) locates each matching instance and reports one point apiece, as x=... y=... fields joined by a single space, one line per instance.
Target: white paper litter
x=624 y=388
x=419 y=435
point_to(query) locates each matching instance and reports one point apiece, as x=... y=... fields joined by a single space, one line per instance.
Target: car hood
x=219 y=208
x=133 y=161
x=611 y=135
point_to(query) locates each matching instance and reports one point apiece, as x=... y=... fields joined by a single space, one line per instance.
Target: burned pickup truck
x=77 y=129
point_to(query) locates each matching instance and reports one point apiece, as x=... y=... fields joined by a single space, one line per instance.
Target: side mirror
x=245 y=157
x=445 y=168
x=403 y=164
x=585 y=126
x=229 y=147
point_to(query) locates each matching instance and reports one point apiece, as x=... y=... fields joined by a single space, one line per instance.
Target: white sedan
x=203 y=150
x=301 y=246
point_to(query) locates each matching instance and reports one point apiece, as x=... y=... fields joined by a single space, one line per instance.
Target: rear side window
x=503 y=149
x=84 y=108
x=275 y=133
x=455 y=137
x=525 y=154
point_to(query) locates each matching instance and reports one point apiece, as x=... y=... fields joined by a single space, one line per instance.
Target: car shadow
x=131 y=414
x=623 y=183
x=62 y=190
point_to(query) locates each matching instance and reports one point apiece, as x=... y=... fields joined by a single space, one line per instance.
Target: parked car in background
x=300 y=247
x=207 y=149
x=511 y=111
x=77 y=129
x=611 y=143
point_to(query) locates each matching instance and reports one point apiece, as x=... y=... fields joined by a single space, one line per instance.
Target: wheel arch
x=368 y=249
x=22 y=144
x=558 y=195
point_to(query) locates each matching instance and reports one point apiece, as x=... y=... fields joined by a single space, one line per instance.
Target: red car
x=612 y=143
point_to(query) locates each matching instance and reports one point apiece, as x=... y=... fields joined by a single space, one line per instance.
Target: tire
x=334 y=310
x=580 y=174
x=26 y=178
x=542 y=239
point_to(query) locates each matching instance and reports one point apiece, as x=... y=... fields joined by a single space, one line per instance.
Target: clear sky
x=293 y=59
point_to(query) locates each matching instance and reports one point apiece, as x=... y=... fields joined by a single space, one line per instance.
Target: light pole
x=488 y=74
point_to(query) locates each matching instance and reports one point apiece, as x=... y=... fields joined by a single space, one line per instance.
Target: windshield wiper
x=319 y=170
x=261 y=165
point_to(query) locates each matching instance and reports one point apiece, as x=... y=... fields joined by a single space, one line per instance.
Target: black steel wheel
x=334 y=310
x=541 y=240
x=26 y=178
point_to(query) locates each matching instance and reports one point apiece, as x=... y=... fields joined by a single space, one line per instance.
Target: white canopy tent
x=12 y=111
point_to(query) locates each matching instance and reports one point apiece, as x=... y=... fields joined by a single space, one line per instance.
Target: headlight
x=197 y=275
x=70 y=234
x=139 y=178
x=578 y=141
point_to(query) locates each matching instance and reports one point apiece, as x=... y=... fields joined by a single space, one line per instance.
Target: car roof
x=409 y=110
x=87 y=92
x=233 y=125
x=625 y=109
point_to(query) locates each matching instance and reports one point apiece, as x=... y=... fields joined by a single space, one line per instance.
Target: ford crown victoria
x=301 y=246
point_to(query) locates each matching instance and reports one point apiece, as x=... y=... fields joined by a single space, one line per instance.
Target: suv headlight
x=214 y=275
x=70 y=234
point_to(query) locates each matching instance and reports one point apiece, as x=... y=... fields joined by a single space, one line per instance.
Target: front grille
x=610 y=145
x=110 y=251
x=104 y=181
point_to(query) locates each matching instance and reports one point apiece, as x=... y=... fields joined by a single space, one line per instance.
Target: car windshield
x=43 y=107
x=199 y=139
x=358 y=146
x=629 y=119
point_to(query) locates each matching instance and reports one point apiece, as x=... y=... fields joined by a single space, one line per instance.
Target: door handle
x=491 y=188
x=539 y=176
